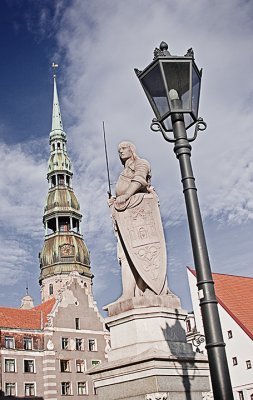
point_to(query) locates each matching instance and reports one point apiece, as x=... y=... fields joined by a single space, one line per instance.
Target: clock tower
x=64 y=252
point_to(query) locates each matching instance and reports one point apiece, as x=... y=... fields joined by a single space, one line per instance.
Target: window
x=29 y=389
x=234 y=360
x=92 y=345
x=51 y=289
x=28 y=343
x=80 y=366
x=241 y=396
x=9 y=365
x=79 y=344
x=248 y=364
x=64 y=343
x=230 y=334
x=65 y=389
x=82 y=388
x=29 y=366
x=10 y=389
x=188 y=326
x=77 y=323
x=95 y=362
x=65 y=365
x=9 y=342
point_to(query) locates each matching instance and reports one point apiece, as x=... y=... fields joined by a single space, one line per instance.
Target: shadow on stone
x=173 y=331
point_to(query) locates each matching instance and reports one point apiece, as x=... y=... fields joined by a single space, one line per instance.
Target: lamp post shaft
x=221 y=383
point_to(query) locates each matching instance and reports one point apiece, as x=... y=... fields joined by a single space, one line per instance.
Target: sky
x=97 y=45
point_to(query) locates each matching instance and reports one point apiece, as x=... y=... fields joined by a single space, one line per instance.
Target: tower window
x=61 y=179
x=53 y=146
x=248 y=364
x=188 y=326
x=51 y=289
x=77 y=320
x=58 y=145
x=64 y=224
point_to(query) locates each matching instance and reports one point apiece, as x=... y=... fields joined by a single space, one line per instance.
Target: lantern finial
x=162 y=51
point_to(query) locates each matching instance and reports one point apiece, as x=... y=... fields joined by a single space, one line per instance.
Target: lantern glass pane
x=154 y=86
x=195 y=92
x=177 y=75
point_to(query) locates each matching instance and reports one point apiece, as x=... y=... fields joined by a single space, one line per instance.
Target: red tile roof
x=35 y=318
x=235 y=295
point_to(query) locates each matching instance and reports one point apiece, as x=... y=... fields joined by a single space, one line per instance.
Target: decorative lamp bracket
x=156 y=126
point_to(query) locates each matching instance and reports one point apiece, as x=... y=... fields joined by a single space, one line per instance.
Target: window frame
x=15 y=365
x=66 y=345
x=70 y=389
x=230 y=334
x=85 y=386
x=33 y=384
x=26 y=360
x=68 y=364
x=26 y=340
x=9 y=339
x=82 y=363
x=81 y=342
x=234 y=361
x=14 y=384
x=95 y=344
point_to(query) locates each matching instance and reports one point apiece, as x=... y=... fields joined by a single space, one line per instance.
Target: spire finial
x=54 y=66
x=26 y=289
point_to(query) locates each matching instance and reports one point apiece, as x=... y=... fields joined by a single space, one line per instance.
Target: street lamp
x=172 y=86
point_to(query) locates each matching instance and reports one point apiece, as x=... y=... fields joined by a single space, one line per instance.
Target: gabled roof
x=235 y=295
x=35 y=318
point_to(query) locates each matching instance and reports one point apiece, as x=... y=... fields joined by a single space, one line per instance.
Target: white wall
x=240 y=345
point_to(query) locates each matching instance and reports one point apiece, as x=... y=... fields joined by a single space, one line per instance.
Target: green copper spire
x=57 y=125
x=56 y=115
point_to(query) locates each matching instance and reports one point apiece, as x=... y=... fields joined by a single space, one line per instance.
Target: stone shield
x=141 y=233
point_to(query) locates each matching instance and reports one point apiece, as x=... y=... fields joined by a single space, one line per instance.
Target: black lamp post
x=172 y=86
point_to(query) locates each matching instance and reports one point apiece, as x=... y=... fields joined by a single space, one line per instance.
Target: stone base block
x=152 y=375
x=139 y=324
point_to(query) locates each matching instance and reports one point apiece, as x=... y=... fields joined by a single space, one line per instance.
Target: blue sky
x=97 y=44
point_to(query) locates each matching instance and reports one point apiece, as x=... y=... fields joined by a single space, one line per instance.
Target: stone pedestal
x=149 y=357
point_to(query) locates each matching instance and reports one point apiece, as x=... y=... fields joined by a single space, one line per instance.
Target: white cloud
x=101 y=42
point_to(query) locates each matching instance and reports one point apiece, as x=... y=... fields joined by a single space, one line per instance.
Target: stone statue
x=138 y=227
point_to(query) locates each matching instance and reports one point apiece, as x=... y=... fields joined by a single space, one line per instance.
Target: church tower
x=64 y=251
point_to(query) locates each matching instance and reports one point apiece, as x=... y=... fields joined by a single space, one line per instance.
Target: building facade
x=235 y=305
x=46 y=350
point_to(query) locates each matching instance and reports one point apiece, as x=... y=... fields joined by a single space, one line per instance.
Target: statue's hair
x=132 y=148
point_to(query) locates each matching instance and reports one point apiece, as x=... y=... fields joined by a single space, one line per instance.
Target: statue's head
x=127 y=150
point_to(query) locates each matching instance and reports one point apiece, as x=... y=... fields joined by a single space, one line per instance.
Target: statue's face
x=125 y=152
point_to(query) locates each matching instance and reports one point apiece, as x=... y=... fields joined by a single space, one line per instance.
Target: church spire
x=56 y=114
x=64 y=251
